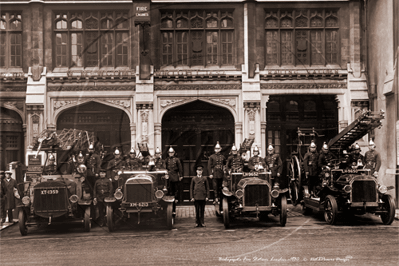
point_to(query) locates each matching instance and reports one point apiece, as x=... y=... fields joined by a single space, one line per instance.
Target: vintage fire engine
x=53 y=198
x=253 y=194
x=344 y=192
x=138 y=192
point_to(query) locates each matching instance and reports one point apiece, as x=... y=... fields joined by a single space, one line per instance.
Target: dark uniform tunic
x=199 y=191
x=275 y=165
x=255 y=160
x=235 y=163
x=325 y=159
x=310 y=164
x=132 y=164
x=50 y=169
x=113 y=167
x=102 y=189
x=175 y=170
x=355 y=157
x=372 y=160
x=93 y=168
x=160 y=163
x=215 y=168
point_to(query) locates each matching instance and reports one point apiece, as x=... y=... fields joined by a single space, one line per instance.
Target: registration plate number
x=140 y=204
x=49 y=192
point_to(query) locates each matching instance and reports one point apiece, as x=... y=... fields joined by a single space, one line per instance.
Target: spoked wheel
x=87 y=220
x=22 y=222
x=169 y=216
x=389 y=206
x=226 y=215
x=330 y=210
x=110 y=218
x=295 y=180
x=283 y=210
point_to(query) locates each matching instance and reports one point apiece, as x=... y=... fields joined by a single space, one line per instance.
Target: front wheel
x=226 y=215
x=283 y=210
x=330 y=210
x=110 y=218
x=389 y=206
x=169 y=216
x=22 y=222
x=87 y=220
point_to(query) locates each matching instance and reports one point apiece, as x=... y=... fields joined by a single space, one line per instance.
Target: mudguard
x=227 y=192
x=168 y=198
x=109 y=199
x=84 y=202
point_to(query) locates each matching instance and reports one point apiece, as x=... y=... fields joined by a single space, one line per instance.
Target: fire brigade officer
x=114 y=166
x=310 y=165
x=372 y=159
x=356 y=158
x=326 y=157
x=235 y=162
x=175 y=175
x=215 y=169
x=93 y=165
x=256 y=162
x=274 y=164
x=51 y=166
x=102 y=189
x=159 y=162
x=132 y=162
x=345 y=162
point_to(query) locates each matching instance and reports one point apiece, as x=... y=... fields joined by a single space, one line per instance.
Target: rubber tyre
x=169 y=216
x=87 y=221
x=22 y=223
x=226 y=216
x=330 y=210
x=110 y=218
x=389 y=205
x=283 y=210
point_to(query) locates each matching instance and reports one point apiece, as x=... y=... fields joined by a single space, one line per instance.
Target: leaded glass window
x=10 y=39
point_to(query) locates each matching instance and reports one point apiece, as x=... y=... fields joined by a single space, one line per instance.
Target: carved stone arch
x=177 y=102
x=68 y=104
x=12 y=106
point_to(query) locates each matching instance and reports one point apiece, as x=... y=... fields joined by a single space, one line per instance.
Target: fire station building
x=180 y=73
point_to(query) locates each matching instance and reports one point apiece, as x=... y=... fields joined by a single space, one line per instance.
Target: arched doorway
x=11 y=138
x=111 y=126
x=286 y=113
x=193 y=130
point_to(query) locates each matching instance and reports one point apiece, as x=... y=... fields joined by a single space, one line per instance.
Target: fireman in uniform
x=256 y=162
x=345 y=162
x=356 y=158
x=114 y=166
x=51 y=166
x=93 y=164
x=175 y=175
x=274 y=164
x=310 y=165
x=132 y=163
x=102 y=189
x=372 y=159
x=235 y=162
x=215 y=169
x=159 y=162
x=326 y=157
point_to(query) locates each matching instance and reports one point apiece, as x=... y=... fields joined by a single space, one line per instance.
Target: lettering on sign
x=142 y=12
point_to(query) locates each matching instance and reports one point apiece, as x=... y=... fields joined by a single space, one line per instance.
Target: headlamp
x=118 y=194
x=382 y=189
x=26 y=200
x=159 y=194
x=347 y=189
x=239 y=193
x=74 y=198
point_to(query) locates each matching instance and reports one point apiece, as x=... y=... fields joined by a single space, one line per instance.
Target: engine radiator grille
x=138 y=192
x=256 y=195
x=50 y=201
x=364 y=191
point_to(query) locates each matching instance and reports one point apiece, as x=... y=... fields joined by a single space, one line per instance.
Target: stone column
x=263 y=136
x=343 y=111
x=252 y=121
x=158 y=136
x=145 y=124
x=133 y=135
x=238 y=134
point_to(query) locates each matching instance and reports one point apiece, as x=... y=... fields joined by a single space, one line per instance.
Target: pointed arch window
x=91 y=39
x=302 y=37
x=10 y=39
x=197 y=37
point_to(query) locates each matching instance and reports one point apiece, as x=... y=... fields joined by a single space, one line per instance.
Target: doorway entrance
x=193 y=130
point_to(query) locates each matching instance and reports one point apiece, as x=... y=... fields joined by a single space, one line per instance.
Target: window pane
x=92 y=49
x=196 y=39
x=61 y=24
x=316 y=47
x=301 y=47
x=331 y=47
x=76 y=24
x=106 y=49
x=15 y=25
x=181 y=41
x=271 y=47
x=212 y=23
x=211 y=47
x=76 y=49
x=167 y=44
x=227 y=47
x=286 y=48
x=121 y=50
x=2 y=25
x=61 y=44
x=2 y=50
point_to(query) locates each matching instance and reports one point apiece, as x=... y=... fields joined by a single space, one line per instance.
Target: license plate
x=49 y=192
x=140 y=204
